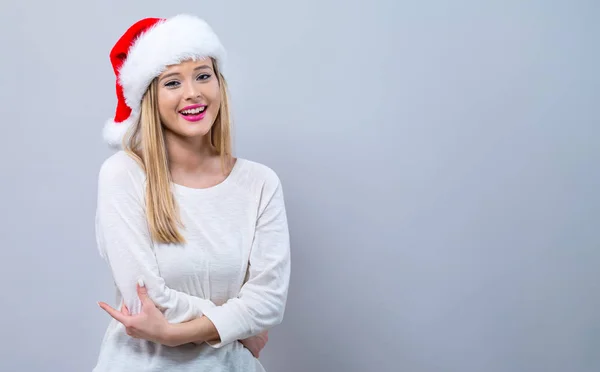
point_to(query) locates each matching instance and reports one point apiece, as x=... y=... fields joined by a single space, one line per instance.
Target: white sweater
x=234 y=267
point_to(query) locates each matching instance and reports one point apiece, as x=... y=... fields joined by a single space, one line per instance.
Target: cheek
x=215 y=100
x=211 y=93
x=167 y=104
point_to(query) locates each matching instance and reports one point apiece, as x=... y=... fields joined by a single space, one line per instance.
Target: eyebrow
x=203 y=67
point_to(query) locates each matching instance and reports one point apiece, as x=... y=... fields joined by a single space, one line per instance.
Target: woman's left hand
x=256 y=343
x=150 y=324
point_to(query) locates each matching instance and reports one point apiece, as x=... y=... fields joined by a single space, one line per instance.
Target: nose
x=191 y=91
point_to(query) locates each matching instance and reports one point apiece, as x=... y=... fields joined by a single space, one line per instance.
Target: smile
x=193 y=113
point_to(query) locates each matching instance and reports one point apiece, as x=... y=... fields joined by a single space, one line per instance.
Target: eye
x=172 y=84
x=203 y=76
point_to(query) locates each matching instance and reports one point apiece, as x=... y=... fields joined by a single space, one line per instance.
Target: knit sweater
x=234 y=266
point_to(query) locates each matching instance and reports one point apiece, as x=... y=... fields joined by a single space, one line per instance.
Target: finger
x=124 y=309
x=252 y=350
x=142 y=292
x=112 y=312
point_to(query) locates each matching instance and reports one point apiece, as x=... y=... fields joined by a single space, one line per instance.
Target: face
x=189 y=98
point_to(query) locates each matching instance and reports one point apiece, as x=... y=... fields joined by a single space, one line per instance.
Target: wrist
x=169 y=335
x=177 y=334
x=196 y=331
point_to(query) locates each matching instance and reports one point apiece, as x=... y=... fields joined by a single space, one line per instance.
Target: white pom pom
x=113 y=132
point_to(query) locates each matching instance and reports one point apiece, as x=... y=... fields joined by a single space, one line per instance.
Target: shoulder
x=255 y=175
x=120 y=168
x=257 y=180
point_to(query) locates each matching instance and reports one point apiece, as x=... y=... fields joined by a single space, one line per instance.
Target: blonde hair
x=146 y=144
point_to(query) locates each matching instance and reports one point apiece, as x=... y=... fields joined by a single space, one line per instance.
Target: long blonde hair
x=146 y=144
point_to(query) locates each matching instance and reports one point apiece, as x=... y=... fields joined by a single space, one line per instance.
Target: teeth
x=194 y=111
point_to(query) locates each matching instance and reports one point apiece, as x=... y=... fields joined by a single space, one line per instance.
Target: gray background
x=439 y=160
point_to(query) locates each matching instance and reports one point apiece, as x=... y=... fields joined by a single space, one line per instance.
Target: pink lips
x=197 y=117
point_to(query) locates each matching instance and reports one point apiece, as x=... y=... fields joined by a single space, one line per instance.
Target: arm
x=196 y=331
x=124 y=242
x=261 y=300
x=201 y=330
x=150 y=324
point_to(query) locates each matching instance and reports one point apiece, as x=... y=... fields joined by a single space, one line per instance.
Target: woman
x=196 y=240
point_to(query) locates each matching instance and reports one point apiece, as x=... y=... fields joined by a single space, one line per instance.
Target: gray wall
x=439 y=161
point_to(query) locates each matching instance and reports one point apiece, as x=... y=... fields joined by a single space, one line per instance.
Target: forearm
x=196 y=331
x=182 y=307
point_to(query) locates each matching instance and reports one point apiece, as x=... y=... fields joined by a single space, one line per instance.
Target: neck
x=188 y=154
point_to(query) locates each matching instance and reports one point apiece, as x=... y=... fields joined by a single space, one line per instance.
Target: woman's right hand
x=256 y=343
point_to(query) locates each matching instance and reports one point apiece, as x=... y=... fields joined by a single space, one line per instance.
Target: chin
x=189 y=129
x=193 y=133
x=194 y=129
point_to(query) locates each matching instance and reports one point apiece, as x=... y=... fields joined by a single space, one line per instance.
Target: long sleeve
x=124 y=242
x=261 y=301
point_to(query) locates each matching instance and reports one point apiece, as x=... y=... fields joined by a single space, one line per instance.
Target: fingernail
x=140 y=282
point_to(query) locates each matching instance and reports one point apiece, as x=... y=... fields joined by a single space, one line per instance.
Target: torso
x=219 y=214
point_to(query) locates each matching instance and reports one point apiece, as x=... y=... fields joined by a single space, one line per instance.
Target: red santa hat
x=144 y=51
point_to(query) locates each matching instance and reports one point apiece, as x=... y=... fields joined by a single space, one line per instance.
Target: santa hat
x=143 y=53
